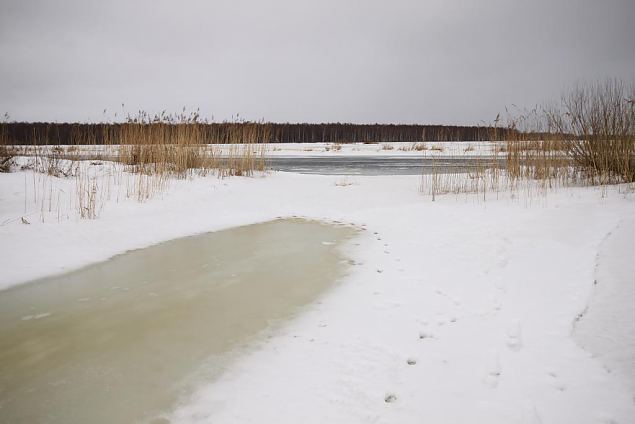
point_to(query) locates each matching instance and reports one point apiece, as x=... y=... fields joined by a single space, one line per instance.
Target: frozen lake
x=381 y=165
x=123 y=340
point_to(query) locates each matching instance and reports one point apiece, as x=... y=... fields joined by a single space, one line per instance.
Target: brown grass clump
x=177 y=147
x=143 y=154
x=419 y=147
x=5 y=155
x=588 y=138
x=597 y=125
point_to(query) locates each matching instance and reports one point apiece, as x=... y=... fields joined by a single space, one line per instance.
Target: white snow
x=607 y=325
x=427 y=148
x=454 y=311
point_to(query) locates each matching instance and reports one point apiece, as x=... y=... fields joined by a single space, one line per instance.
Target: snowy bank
x=459 y=310
x=414 y=149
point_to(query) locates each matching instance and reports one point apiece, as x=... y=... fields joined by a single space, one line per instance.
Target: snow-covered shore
x=455 y=311
x=416 y=149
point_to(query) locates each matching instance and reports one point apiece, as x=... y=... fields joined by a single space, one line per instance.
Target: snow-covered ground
x=455 y=311
x=428 y=148
x=606 y=327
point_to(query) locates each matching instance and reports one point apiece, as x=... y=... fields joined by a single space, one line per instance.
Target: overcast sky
x=392 y=61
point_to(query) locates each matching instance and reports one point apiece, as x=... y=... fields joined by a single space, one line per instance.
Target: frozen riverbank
x=121 y=340
x=456 y=311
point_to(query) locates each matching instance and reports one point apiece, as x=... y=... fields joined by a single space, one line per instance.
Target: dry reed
x=588 y=138
x=143 y=155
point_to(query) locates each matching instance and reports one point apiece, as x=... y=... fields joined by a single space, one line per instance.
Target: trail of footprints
x=494 y=370
x=391 y=397
x=512 y=338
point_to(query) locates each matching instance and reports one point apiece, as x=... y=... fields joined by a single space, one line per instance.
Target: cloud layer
x=407 y=61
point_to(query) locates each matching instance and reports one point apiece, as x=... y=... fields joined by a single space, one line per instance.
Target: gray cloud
x=427 y=61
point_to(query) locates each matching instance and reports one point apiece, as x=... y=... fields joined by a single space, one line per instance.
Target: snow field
x=453 y=311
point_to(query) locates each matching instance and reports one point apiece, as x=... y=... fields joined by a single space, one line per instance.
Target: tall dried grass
x=144 y=154
x=587 y=138
x=597 y=125
x=5 y=155
x=177 y=147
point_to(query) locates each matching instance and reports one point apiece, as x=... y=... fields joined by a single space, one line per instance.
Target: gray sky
x=397 y=61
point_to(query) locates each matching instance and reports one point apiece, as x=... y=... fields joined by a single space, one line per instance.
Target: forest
x=45 y=133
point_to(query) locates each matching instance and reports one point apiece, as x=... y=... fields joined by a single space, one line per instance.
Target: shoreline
x=457 y=285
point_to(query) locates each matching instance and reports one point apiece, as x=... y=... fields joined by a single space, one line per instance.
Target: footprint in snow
x=556 y=383
x=390 y=398
x=411 y=361
x=456 y=302
x=425 y=335
x=497 y=304
x=514 y=339
x=494 y=371
x=500 y=285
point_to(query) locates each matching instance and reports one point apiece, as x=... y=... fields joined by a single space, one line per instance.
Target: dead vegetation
x=5 y=157
x=416 y=147
x=587 y=138
x=598 y=122
x=139 y=162
x=335 y=147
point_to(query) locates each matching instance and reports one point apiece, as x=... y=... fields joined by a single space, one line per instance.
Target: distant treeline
x=114 y=133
